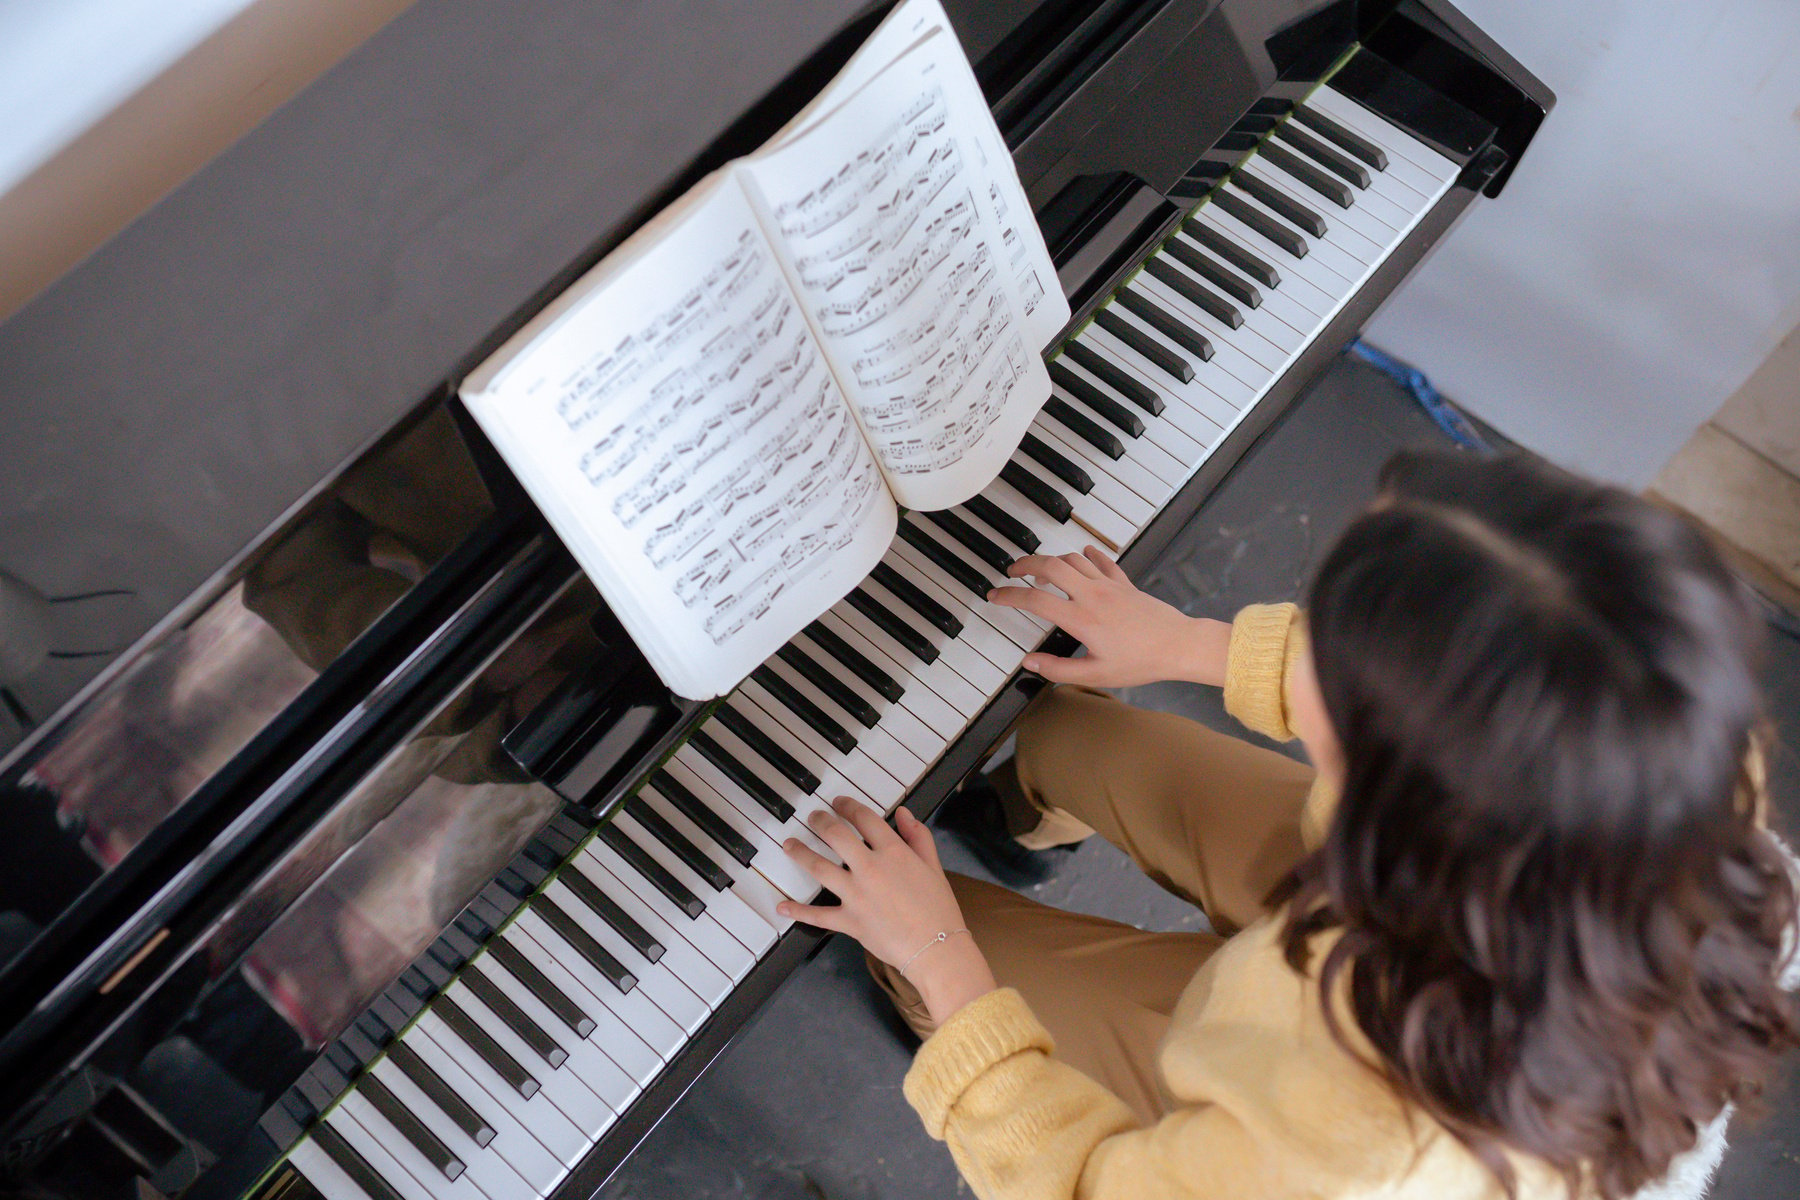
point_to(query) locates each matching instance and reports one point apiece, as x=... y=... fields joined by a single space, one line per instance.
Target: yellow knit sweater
x=1267 y=1104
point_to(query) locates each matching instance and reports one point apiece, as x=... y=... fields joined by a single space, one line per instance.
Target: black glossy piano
x=351 y=848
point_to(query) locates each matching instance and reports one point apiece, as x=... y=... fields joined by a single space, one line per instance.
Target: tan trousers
x=1211 y=818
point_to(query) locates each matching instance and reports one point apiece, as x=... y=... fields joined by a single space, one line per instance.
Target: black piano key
x=708 y=821
x=1284 y=205
x=514 y=1017
x=353 y=1164
x=1261 y=221
x=461 y=942
x=490 y=1051
x=858 y=663
x=441 y=1094
x=1254 y=122
x=1232 y=253
x=340 y=1057
x=796 y=702
x=1352 y=142
x=1058 y=464
x=597 y=955
x=1165 y=323
x=1236 y=142
x=1047 y=498
x=1003 y=523
x=790 y=767
x=1087 y=430
x=915 y=598
x=892 y=624
x=1195 y=260
x=358 y=1042
x=673 y=840
x=608 y=910
x=1116 y=414
x=1116 y=377
x=835 y=689
x=1338 y=164
x=951 y=564
x=410 y=1127
x=1272 y=105
x=1189 y=289
x=540 y=985
x=752 y=783
x=641 y=861
x=1163 y=358
x=1328 y=186
x=977 y=543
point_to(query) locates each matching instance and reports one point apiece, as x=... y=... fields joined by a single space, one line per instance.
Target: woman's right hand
x=1131 y=636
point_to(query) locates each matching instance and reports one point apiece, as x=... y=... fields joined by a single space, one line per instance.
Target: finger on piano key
x=937 y=720
x=587 y=1060
x=337 y=1174
x=984 y=676
x=700 y=938
x=942 y=550
x=1085 y=508
x=801 y=741
x=660 y=1033
x=560 y=1093
x=719 y=831
x=514 y=1149
x=715 y=787
x=728 y=905
x=538 y=1115
x=979 y=631
x=657 y=982
x=1322 y=155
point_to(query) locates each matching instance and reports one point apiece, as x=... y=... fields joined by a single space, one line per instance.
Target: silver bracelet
x=943 y=935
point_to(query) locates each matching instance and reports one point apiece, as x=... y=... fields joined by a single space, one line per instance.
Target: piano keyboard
x=541 y=1028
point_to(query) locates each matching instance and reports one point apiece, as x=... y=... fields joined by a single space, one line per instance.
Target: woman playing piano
x=1518 y=930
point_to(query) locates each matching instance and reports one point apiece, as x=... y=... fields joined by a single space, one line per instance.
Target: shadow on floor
x=806 y=1103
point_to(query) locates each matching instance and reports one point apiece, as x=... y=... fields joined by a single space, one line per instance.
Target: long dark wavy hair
x=1562 y=922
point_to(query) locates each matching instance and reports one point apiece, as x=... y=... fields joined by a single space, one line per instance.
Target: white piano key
x=984 y=675
x=1142 y=451
x=805 y=803
x=1054 y=537
x=726 y=789
x=1201 y=409
x=539 y=1116
x=588 y=1060
x=748 y=885
x=874 y=780
x=1325 y=251
x=879 y=743
x=1358 y=235
x=729 y=907
x=560 y=1092
x=1281 y=323
x=1143 y=494
x=657 y=982
x=1308 y=269
x=933 y=718
x=395 y=1159
x=662 y=1033
x=769 y=861
x=316 y=1167
x=1217 y=414
x=979 y=632
x=1092 y=513
x=1022 y=629
x=512 y=1146
x=1430 y=169
x=621 y=1043
x=647 y=906
x=484 y=1166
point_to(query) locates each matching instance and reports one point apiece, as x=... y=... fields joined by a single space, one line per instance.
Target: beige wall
x=173 y=126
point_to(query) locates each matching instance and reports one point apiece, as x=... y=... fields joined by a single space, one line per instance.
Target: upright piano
x=351 y=847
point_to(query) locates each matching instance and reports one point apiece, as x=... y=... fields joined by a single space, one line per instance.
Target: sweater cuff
x=977 y=1037
x=1263 y=648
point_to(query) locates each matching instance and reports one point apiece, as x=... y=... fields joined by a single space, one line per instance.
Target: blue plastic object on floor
x=1455 y=426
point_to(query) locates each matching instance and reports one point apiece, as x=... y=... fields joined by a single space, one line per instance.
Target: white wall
x=1646 y=256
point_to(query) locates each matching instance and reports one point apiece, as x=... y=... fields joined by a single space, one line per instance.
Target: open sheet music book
x=723 y=418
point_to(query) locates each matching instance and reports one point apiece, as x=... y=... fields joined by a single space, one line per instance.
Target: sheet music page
x=878 y=210
x=682 y=432
x=910 y=22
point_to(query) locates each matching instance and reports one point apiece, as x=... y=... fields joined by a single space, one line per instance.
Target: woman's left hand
x=893 y=898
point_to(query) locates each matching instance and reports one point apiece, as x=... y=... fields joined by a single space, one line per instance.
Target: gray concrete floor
x=806 y=1104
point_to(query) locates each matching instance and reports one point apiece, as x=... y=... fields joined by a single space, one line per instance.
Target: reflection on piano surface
x=388 y=870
